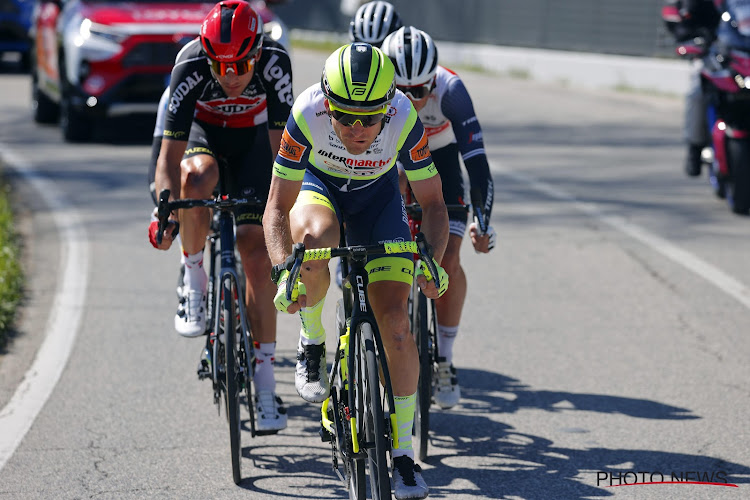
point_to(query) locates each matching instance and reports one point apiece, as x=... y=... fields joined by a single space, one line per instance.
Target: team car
x=93 y=59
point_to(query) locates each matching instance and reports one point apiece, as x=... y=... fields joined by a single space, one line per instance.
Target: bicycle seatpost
x=162 y=213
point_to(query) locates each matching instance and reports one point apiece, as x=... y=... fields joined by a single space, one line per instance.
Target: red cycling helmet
x=231 y=32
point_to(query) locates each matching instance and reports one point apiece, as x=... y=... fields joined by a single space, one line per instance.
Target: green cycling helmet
x=359 y=76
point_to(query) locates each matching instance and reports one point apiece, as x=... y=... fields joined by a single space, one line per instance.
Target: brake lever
x=425 y=253
x=162 y=213
x=298 y=254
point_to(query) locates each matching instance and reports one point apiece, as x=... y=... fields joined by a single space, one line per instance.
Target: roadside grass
x=11 y=275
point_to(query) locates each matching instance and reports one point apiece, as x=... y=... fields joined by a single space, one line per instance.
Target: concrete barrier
x=576 y=69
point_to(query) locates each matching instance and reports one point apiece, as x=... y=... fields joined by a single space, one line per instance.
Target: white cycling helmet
x=373 y=22
x=413 y=54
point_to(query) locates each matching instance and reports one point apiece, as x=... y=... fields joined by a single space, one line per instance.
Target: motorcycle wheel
x=738 y=195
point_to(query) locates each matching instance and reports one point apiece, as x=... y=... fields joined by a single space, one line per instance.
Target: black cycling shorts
x=448 y=166
x=247 y=152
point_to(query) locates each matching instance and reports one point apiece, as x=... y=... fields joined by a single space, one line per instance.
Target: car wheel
x=43 y=108
x=75 y=126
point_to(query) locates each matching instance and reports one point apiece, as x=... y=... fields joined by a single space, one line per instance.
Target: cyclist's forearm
x=278 y=234
x=435 y=228
x=167 y=175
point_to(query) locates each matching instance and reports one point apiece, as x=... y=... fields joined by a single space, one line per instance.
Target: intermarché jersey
x=310 y=141
x=195 y=93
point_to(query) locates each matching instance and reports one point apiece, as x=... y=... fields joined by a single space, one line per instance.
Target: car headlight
x=98 y=42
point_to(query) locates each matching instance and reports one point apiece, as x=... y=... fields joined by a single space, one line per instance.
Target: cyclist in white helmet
x=373 y=22
x=447 y=112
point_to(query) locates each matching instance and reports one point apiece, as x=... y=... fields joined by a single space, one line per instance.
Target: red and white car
x=93 y=59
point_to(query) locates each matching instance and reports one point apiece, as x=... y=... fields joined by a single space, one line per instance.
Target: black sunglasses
x=348 y=119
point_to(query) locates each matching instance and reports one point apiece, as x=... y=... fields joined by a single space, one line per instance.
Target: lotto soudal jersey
x=195 y=93
x=309 y=141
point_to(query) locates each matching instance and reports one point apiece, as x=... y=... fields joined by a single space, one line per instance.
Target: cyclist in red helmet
x=230 y=96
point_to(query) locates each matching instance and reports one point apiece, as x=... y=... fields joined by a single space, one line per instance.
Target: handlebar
x=293 y=263
x=221 y=202
x=414 y=210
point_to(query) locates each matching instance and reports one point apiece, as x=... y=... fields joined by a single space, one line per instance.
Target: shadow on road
x=474 y=455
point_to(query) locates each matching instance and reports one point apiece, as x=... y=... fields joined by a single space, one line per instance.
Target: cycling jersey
x=448 y=118
x=195 y=93
x=310 y=141
x=361 y=189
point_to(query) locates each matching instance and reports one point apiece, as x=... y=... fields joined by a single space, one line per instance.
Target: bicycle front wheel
x=421 y=327
x=232 y=387
x=373 y=423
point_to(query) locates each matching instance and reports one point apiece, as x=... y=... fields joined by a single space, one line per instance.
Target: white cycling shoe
x=190 y=320
x=270 y=414
x=447 y=391
x=407 y=479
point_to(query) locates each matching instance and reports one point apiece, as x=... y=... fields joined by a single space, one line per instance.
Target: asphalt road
x=607 y=333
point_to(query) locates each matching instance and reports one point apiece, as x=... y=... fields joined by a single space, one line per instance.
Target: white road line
x=17 y=417
x=703 y=269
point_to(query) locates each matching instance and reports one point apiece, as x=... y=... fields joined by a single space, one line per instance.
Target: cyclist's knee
x=394 y=325
x=198 y=175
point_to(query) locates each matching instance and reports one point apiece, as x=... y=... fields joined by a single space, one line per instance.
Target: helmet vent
x=227 y=15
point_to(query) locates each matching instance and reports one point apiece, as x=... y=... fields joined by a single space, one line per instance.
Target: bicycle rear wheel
x=421 y=330
x=233 y=374
x=374 y=436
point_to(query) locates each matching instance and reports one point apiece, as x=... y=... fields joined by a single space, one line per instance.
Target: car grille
x=151 y=54
x=139 y=88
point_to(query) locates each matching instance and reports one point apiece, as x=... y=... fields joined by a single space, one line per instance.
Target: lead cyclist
x=337 y=164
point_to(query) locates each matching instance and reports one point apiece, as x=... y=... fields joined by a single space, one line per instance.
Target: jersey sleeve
x=276 y=75
x=414 y=151
x=186 y=84
x=294 y=151
x=459 y=109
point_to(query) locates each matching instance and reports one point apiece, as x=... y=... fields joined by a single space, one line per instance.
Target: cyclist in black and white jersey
x=446 y=110
x=230 y=96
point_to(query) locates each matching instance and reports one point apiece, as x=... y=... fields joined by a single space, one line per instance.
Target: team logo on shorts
x=291 y=149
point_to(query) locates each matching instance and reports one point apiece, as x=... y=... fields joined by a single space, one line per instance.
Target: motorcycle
x=725 y=80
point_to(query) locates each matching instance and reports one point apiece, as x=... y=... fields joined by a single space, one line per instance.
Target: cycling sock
x=264 y=361
x=446 y=337
x=405 y=422
x=312 y=332
x=195 y=275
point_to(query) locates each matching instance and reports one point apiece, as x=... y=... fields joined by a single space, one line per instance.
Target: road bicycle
x=358 y=418
x=229 y=355
x=423 y=318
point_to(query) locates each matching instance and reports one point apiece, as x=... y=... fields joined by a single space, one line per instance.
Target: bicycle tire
x=232 y=387
x=420 y=324
x=373 y=417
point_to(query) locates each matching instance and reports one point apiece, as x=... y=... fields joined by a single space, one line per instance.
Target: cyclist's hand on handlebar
x=426 y=285
x=298 y=295
x=170 y=233
x=483 y=243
